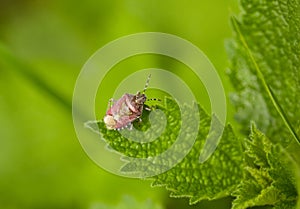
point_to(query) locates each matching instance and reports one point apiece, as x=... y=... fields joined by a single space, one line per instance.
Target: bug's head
x=140 y=98
x=109 y=122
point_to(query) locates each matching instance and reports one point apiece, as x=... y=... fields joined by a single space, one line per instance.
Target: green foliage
x=265 y=69
x=268 y=177
x=265 y=62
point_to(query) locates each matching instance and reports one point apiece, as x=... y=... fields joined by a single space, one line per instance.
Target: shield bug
x=127 y=109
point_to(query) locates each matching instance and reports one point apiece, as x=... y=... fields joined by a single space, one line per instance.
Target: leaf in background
x=269 y=176
x=266 y=55
x=128 y=202
x=215 y=178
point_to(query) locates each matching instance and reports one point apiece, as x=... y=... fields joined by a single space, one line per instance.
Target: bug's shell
x=124 y=111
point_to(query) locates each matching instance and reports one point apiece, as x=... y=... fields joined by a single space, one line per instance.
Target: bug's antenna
x=147 y=83
x=154 y=99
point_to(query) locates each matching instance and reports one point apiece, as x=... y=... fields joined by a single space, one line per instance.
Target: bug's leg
x=152 y=107
x=139 y=123
x=130 y=126
x=110 y=103
x=148 y=108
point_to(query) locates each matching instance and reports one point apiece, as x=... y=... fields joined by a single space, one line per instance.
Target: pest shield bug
x=127 y=109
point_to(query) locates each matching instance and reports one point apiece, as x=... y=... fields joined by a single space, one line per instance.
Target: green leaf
x=215 y=178
x=269 y=177
x=265 y=67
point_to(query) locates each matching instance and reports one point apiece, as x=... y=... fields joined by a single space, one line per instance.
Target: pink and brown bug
x=127 y=109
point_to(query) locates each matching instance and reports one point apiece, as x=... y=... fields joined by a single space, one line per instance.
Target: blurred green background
x=43 y=45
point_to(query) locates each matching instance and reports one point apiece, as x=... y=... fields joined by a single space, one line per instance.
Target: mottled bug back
x=125 y=110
